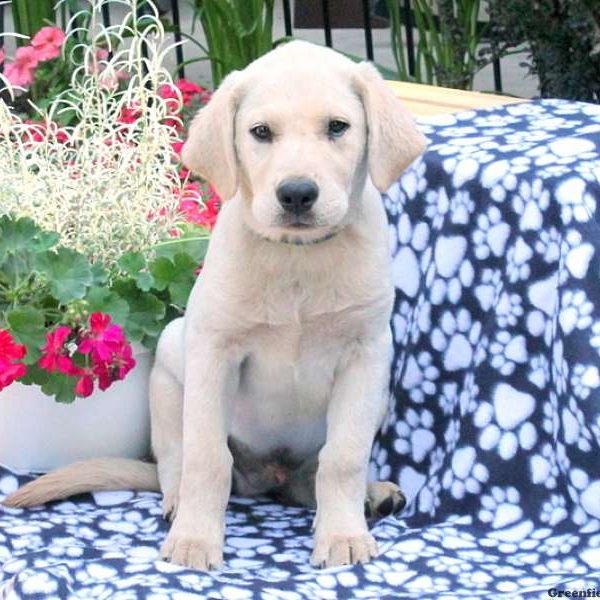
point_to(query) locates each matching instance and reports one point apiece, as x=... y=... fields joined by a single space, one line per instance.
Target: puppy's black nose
x=297 y=195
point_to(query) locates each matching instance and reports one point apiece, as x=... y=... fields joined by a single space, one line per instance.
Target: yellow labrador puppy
x=276 y=380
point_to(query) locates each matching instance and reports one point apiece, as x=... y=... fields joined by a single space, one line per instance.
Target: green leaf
x=177 y=275
x=99 y=274
x=134 y=264
x=193 y=245
x=28 y=327
x=69 y=273
x=62 y=387
x=101 y=299
x=145 y=310
x=35 y=375
x=16 y=235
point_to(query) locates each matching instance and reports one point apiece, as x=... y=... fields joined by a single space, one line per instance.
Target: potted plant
x=102 y=233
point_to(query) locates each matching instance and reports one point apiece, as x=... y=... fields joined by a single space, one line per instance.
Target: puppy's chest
x=285 y=385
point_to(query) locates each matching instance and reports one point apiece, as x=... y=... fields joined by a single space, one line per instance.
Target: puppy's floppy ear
x=393 y=138
x=209 y=150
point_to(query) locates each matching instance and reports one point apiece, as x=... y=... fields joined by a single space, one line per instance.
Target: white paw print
x=448 y=399
x=560 y=368
x=430 y=496
x=452 y=287
x=544 y=467
x=539 y=371
x=575 y=255
x=461 y=207
x=449 y=564
x=488 y=291
x=465 y=474
x=379 y=465
x=456 y=336
x=452 y=434
x=595 y=336
x=517 y=261
x=500 y=508
x=575 y=428
x=575 y=311
x=504 y=422
x=437 y=206
x=414 y=435
x=577 y=204
x=508 y=309
x=529 y=203
x=401 y=321
x=506 y=351
x=491 y=234
x=559 y=544
x=548 y=244
x=584 y=379
x=412 y=241
x=413 y=181
x=551 y=419
x=469 y=396
x=585 y=494
x=420 y=376
x=554 y=510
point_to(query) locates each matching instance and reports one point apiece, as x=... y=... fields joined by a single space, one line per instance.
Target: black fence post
x=368 y=32
x=410 y=39
x=177 y=36
x=326 y=23
x=287 y=17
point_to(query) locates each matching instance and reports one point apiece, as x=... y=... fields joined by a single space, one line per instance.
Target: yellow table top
x=426 y=100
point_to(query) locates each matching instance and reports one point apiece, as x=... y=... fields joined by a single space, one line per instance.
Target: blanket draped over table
x=494 y=427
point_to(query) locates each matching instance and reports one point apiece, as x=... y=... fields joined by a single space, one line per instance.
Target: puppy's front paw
x=201 y=553
x=170 y=503
x=341 y=549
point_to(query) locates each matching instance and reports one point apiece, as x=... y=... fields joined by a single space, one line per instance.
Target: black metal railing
x=289 y=31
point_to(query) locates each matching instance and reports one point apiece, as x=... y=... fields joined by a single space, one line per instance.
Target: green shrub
x=563 y=37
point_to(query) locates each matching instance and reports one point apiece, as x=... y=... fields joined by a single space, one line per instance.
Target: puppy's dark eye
x=262 y=133
x=337 y=128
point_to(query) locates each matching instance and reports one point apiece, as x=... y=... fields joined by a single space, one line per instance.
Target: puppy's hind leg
x=166 y=409
x=384 y=498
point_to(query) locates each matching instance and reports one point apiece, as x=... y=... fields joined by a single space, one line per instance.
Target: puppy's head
x=297 y=133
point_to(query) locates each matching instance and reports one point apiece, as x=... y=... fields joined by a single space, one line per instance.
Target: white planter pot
x=39 y=434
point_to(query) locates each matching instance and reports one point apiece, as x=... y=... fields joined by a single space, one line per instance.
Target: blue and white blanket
x=494 y=432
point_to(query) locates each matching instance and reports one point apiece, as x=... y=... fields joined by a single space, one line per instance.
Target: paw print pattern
x=501 y=507
x=576 y=311
x=414 y=435
x=506 y=351
x=508 y=309
x=461 y=208
x=517 y=261
x=503 y=423
x=491 y=234
x=584 y=379
x=456 y=337
x=530 y=203
x=420 y=377
x=465 y=474
x=554 y=510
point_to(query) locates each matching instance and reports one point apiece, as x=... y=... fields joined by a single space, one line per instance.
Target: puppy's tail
x=86 y=476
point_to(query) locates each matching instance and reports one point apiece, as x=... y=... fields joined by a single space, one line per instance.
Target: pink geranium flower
x=10 y=352
x=2 y=56
x=103 y=338
x=47 y=42
x=55 y=356
x=20 y=72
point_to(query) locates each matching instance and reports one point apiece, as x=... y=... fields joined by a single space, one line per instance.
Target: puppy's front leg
x=353 y=417
x=196 y=536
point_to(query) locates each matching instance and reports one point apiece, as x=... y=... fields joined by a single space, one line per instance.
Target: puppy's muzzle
x=297 y=195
